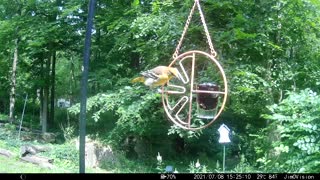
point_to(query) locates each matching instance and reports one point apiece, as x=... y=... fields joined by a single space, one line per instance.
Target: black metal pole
x=84 y=84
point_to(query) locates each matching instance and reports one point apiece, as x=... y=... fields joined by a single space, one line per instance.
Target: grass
x=66 y=160
x=14 y=165
x=65 y=157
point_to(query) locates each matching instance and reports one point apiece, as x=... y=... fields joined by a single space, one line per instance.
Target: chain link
x=196 y=3
x=175 y=55
x=213 y=52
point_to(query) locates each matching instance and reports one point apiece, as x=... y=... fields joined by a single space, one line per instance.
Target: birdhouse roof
x=223 y=126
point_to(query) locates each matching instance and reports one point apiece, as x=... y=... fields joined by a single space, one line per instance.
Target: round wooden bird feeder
x=197 y=99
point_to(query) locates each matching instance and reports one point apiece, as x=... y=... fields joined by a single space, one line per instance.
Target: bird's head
x=175 y=72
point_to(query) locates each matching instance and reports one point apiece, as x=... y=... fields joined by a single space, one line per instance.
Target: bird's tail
x=138 y=79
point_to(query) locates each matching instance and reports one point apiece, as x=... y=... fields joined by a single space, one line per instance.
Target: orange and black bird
x=157 y=76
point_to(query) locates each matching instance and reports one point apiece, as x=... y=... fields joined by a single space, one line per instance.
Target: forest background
x=269 y=50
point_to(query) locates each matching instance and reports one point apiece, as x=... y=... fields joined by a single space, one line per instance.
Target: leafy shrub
x=68 y=131
x=10 y=127
x=137 y=112
x=197 y=168
x=4 y=117
x=244 y=167
x=294 y=134
x=65 y=155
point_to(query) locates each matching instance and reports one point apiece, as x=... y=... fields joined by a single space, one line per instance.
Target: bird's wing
x=159 y=70
x=150 y=74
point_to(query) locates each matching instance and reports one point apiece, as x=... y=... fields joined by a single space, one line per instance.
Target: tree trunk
x=52 y=63
x=40 y=97
x=45 y=109
x=53 y=78
x=72 y=81
x=13 y=82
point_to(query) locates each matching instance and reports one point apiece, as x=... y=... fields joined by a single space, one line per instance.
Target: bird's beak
x=177 y=74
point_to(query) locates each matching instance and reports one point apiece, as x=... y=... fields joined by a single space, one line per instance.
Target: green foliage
x=138 y=112
x=13 y=165
x=174 y=129
x=125 y=165
x=296 y=139
x=3 y=117
x=266 y=48
x=160 y=165
x=249 y=93
x=192 y=168
x=65 y=155
x=10 y=127
x=244 y=167
x=68 y=131
x=197 y=168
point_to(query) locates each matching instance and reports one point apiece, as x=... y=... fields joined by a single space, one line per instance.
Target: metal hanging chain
x=175 y=55
x=213 y=52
